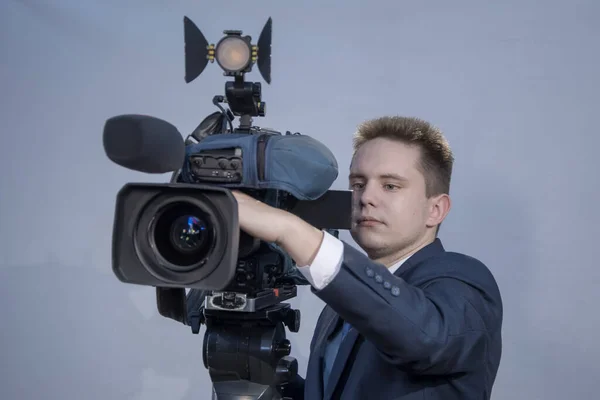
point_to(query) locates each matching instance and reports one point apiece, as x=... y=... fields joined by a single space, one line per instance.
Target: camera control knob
x=286 y=370
x=282 y=349
x=292 y=320
x=223 y=163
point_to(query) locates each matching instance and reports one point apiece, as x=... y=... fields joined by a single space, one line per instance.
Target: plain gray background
x=513 y=84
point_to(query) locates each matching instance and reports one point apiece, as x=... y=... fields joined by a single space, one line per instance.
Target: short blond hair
x=436 y=159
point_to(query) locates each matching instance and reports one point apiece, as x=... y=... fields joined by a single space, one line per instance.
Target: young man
x=411 y=320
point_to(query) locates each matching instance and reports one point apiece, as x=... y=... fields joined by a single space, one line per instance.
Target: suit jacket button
x=395 y=291
x=378 y=278
x=370 y=272
x=387 y=285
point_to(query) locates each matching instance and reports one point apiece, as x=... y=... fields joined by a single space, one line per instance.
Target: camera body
x=185 y=234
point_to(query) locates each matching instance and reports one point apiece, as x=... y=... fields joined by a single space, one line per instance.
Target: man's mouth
x=367 y=221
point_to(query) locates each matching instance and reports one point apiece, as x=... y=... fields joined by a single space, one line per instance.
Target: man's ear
x=439 y=206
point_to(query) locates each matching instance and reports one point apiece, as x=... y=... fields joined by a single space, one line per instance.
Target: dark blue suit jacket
x=431 y=330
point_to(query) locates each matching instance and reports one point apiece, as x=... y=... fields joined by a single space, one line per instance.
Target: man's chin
x=367 y=232
x=367 y=240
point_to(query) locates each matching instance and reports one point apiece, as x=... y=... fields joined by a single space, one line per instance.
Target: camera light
x=233 y=54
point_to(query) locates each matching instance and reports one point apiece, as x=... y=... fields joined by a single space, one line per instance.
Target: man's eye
x=357 y=186
x=389 y=186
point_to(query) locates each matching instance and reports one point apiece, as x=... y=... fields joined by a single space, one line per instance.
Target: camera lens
x=183 y=235
x=187 y=233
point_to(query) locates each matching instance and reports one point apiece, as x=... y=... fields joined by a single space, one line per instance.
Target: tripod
x=247 y=353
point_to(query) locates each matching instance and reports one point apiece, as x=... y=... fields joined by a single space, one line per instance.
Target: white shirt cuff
x=326 y=264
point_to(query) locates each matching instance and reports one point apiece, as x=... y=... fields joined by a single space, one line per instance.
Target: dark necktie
x=345 y=329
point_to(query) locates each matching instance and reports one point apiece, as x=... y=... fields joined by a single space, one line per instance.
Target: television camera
x=185 y=234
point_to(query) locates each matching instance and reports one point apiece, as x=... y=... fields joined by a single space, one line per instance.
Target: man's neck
x=393 y=259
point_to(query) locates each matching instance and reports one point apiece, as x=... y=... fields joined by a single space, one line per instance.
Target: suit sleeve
x=441 y=327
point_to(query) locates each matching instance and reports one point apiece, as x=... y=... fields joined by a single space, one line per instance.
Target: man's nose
x=368 y=195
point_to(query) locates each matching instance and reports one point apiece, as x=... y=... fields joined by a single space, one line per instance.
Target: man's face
x=390 y=212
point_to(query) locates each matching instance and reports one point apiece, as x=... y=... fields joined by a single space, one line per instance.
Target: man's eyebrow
x=382 y=176
x=394 y=176
x=356 y=176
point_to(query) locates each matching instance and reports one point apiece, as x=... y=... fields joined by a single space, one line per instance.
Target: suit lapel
x=329 y=328
x=315 y=368
x=340 y=362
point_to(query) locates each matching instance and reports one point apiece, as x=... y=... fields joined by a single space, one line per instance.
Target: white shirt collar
x=397 y=265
